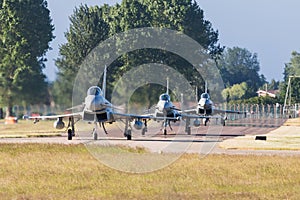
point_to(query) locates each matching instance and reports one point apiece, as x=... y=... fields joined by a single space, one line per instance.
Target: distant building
x=270 y=93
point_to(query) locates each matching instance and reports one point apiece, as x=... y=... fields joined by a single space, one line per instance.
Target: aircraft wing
x=228 y=111
x=193 y=116
x=165 y=118
x=129 y=116
x=191 y=111
x=77 y=115
x=147 y=116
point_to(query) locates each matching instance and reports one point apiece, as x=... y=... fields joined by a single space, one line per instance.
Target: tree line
x=26 y=30
x=92 y=25
x=25 y=33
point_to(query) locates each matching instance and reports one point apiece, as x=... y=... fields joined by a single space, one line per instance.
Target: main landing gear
x=127 y=131
x=95 y=130
x=223 y=120
x=164 y=126
x=95 y=134
x=188 y=126
x=71 y=128
x=145 y=129
x=206 y=120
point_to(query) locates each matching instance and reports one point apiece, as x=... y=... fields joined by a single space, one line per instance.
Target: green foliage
x=90 y=26
x=237 y=91
x=87 y=29
x=239 y=65
x=25 y=33
x=292 y=69
x=257 y=100
x=273 y=85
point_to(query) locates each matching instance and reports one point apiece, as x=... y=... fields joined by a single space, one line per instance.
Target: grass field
x=44 y=171
x=26 y=128
x=286 y=137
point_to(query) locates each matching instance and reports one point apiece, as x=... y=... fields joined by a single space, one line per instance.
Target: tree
x=292 y=69
x=181 y=15
x=25 y=34
x=87 y=29
x=237 y=91
x=273 y=85
x=238 y=65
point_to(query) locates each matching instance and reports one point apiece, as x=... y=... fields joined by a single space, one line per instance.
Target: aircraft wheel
x=189 y=130
x=95 y=135
x=70 y=134
x=205 y=123
x=128 y=135
x=165 y=131
x=143 y=131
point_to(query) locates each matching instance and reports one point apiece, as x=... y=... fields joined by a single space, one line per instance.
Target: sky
x=266 y=27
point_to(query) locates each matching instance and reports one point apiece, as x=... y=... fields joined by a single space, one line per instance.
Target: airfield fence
x=263 y=110
x=255 y=111
x=259 y=115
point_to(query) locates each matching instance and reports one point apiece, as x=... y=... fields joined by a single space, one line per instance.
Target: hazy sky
x=266 y=27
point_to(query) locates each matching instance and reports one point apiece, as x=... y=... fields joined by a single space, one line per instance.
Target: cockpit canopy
x=164 y=97
x=205 y=96
x=94 y=90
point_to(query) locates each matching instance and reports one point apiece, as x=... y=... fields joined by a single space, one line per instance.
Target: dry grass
x=292 y=122
x=286 y=137
x=44 y=171
x=26 y=128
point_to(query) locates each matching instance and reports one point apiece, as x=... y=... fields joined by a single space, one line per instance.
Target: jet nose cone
x=166 y=104
x=207 y=104
x=167 y=107
x=94 y=103
x=91 y=104
x=202 y=103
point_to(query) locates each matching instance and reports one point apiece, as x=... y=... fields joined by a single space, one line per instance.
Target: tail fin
x=167 y=86
x=104 y=82
x=196 y=94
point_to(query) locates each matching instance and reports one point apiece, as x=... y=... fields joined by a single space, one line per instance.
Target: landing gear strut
x=205 y=122
x=187 y=126
x=127 y=132
x=95 y=134
x=223 y=121
x=145 y=129
x=164 y=126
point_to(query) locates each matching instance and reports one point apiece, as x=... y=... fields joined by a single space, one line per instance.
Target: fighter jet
x=206 y=109
x=98 y=110
x=166 y=111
